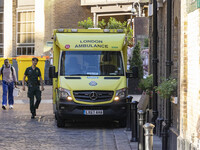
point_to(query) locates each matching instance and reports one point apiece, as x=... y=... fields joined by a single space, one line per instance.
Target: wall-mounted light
x=143 y=14
x=134 y=11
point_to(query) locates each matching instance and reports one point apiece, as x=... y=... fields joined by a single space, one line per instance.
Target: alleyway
x=20 y=132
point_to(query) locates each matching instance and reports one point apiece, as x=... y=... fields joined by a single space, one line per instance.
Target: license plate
x=93 y=112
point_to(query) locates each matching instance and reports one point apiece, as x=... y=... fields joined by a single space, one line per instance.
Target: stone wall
x=190 y=80
x=141 y=27
x=67 y=14
x=175 y=58
x=62 y=14
x=193 y=101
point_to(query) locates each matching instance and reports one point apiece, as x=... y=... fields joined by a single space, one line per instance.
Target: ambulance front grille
x=93 y=96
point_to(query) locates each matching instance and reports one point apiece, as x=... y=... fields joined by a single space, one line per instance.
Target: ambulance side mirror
x=52 y=72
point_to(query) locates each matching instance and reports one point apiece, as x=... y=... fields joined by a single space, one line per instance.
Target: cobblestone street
x=19 y=132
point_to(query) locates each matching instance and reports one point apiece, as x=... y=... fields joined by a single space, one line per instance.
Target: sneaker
x=4 y=107
x=11 y=107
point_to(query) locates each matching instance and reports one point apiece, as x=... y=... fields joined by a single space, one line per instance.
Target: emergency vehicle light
x=60 y=30
x=120 y=30
x=74 y=30
x=106 y=30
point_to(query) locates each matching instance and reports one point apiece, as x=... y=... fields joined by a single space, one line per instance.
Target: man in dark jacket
x=33 y=73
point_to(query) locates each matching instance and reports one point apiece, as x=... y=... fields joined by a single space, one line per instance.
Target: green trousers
x=34 y=91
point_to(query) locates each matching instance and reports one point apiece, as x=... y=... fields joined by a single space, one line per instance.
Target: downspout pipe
x=169 y=63
x=155 y=64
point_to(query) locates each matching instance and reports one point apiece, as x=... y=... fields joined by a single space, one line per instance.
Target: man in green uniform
x=33 y=73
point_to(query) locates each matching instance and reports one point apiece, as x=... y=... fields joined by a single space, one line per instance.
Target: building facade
x=26 y=26
x=190 y=76
x=183 y=133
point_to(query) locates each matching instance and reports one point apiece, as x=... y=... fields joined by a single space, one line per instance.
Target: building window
x=1 y=34
x=25 y=32
x=25 y=50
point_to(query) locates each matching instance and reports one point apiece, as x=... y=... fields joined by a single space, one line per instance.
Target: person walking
x=9 y=79
x=33 y=73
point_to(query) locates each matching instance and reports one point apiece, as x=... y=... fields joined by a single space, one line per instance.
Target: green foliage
x=114 y=24
x=86 y=23
x=147 y=84
x=102 y=24
x=146 y=42
x=136 y=60
x=130 y=36
x=167 y=88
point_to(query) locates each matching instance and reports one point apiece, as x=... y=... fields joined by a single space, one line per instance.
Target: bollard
x=148 y=127
x=134 y=134
x=141 y=141
x=128 y=122
x=147 y=115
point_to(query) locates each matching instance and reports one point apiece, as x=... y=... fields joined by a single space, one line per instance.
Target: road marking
x=46 y=101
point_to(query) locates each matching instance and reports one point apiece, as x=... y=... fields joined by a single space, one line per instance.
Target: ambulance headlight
x=64 y=94
x=120 y=94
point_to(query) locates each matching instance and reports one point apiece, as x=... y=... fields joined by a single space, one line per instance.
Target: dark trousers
x=34 y=91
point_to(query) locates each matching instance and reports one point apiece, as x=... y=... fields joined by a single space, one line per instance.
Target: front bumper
x=75 y=111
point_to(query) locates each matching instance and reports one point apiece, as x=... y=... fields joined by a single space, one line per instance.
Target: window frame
x=18 y=23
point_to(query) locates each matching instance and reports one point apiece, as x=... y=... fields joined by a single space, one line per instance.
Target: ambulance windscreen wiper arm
x=78 y=75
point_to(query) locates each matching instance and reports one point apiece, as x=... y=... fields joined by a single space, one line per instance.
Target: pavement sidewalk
x=46 y=109
x=157 y=143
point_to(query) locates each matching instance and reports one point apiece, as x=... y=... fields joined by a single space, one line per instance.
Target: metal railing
x=141 y=132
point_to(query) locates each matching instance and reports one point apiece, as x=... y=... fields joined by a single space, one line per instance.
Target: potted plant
x=147 y=85
x=167 y=88
x=112 y=24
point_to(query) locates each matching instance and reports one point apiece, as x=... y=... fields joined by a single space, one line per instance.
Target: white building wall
x=39 y=27
x=8 y=28
x=193 y=75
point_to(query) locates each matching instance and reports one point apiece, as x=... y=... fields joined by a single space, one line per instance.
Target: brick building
x=26 y=25
x=183 y=133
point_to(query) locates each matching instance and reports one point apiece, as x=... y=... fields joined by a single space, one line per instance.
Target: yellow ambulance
x=89 y=74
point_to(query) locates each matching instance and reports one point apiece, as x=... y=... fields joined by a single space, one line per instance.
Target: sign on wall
x=49 y=43
x=192 y=5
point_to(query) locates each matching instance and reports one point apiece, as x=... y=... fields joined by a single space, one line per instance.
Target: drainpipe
x=169 y=63
x=155 y=64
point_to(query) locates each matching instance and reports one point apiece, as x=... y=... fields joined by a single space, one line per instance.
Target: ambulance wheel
x=122 y=123
x=60 y=121
x=55 y=116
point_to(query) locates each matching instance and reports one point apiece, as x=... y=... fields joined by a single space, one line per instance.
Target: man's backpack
x=3 y=68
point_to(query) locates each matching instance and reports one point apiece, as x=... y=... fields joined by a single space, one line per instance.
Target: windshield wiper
x=76 y=75
x=79 y=75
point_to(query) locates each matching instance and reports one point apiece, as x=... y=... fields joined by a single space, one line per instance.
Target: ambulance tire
x=122 y=123
x=60 y=121
x=55 y=116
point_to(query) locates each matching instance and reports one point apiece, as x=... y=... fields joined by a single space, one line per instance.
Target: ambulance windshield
x=91 y=63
